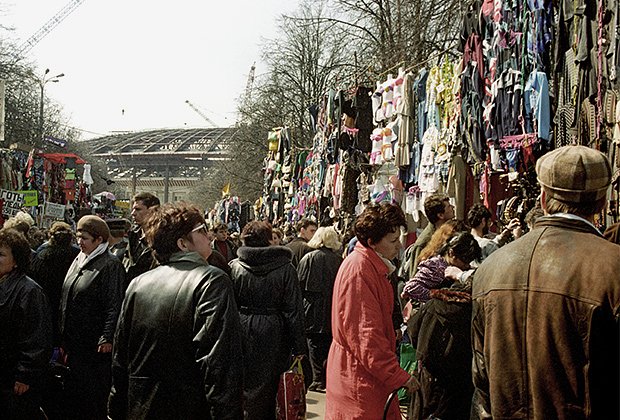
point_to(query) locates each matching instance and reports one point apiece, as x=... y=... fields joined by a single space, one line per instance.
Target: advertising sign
x=31 y=198
x=54 y=211
x=13 y=202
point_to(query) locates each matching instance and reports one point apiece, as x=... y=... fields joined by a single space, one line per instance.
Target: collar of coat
x=183 y=256
x=374 y=258
x=567 y=223
x=262 y=255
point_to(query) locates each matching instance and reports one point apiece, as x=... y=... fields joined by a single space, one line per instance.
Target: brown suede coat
x=545 y=330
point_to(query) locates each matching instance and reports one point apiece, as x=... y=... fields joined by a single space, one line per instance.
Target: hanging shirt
x=537 y=107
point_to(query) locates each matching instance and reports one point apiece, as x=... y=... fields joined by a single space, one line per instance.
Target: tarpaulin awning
x=62 y=157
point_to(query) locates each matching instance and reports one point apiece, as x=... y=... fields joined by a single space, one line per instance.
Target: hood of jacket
x=263 y=259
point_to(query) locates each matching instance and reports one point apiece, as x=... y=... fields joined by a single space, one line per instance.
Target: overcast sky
x=147 y=57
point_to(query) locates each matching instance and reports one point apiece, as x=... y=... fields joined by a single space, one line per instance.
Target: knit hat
x=574 y=174
x=94 y=225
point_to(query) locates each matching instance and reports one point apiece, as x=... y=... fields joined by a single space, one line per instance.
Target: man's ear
x=543 y=200
x=182 y=244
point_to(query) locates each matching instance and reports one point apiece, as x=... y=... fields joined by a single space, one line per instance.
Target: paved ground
x=315 y=405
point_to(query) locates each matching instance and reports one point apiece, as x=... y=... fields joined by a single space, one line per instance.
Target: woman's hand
x=412 y=385
x=104 y=348
x=453 y=273
x=20 y=388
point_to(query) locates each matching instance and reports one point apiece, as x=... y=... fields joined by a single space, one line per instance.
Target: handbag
x=291 y=397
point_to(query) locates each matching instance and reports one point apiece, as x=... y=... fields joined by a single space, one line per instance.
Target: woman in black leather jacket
x=269 y=299
x=92 y=294
x=178 y=341
x=25 y=331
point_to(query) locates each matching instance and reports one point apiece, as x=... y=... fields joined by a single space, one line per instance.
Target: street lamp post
x=42 y=82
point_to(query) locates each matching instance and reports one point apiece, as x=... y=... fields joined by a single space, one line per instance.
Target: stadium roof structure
x=170 y=153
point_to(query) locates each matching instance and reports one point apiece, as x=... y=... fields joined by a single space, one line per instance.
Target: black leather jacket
x=177 y=349
x=25 y=331
x=90 y=304
x=138 y=257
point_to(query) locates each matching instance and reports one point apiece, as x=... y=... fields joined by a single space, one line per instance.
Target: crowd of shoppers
x=197 y=325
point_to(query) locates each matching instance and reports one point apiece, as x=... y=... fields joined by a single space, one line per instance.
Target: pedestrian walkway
x=315 y=405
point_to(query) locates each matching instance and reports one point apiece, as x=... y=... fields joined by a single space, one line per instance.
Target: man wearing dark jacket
x=438 y=211
x=222 y=244
x=305 y=231
x=138 y=258
x=178 y=340
x=546 y=308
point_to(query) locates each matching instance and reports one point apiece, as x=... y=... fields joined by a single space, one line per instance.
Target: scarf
x=84 y=259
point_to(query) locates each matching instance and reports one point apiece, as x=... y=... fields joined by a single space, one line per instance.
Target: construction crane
x=248 y=87
x=202 y=114
x=49 y=26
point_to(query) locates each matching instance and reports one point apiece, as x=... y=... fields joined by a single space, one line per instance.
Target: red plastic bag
x=291 y=398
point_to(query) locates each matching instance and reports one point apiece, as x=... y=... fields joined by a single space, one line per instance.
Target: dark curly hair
x=476 y=214
x=167 y=224
x=377 y=221
x=463 y=246
x=19 y=246
x=257 y=233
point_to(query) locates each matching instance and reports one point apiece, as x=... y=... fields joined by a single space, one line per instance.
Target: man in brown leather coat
x=546 y=307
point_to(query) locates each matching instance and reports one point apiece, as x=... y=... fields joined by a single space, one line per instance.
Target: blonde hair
x=326 y=237
x=21 y=221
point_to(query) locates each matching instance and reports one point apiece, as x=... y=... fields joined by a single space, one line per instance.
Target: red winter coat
x=362 y=368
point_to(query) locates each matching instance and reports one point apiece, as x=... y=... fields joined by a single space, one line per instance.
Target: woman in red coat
x=362 y=368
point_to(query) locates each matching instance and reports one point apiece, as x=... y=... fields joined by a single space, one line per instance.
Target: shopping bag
x=291 y=397
x=409 y=363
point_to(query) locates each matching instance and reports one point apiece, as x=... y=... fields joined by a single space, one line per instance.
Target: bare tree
x=309 y=55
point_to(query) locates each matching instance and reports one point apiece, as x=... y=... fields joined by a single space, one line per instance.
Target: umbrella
x=105 y=194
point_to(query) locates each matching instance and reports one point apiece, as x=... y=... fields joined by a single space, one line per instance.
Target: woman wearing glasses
x=177 y=344
x=269 y=299
x=90 y=302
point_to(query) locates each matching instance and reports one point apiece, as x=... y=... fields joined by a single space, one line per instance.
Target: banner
x=54 y=211
x=55 y=141
x=13 y=202
x=31 y=198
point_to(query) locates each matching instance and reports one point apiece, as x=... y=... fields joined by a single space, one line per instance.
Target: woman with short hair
x=177 y=344
x=362 y=368
x=25 y=331
x=317 y=271
x=269 y=300
x=91 y=299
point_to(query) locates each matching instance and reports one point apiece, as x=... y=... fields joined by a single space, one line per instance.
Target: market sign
x=13 y=202
x=123 y=204
x=31 y=198
x=54 y=210
x=55 y=141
